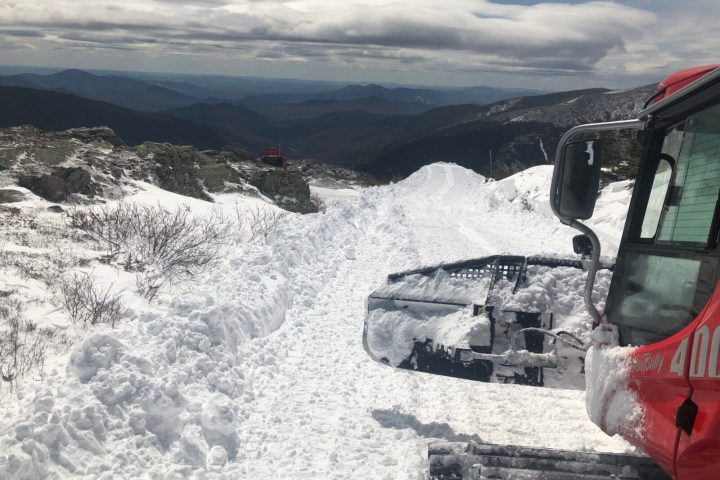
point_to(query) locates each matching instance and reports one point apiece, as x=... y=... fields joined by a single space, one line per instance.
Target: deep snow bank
x=164 y=392
x=509 y=216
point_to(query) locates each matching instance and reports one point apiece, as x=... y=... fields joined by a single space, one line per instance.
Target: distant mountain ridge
x=292 y=112
x=513 y=133
x=239 y=126
x=440 y=97
x=123 y=91
x=152 y=96
x=388 y=132
x=49 y=110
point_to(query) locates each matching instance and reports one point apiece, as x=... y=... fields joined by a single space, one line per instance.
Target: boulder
x=96 y=134
x=48 y=187
x=63 y=181
x=175 y=168
x=288 y=189
x=77 y=180
x=11 y=196
x=187 y=171
x=214 y=175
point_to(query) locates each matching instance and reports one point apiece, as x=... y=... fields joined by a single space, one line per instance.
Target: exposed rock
x=322 y=171
x=215 y=176
x=176 y=168
x=87 y=161
x=42 y=148
x=288 y=189
x=63 y=181
x=11 y=196
x=48 y=187
x=55 y=209
x=96 y=134
x=230 y=154
x=185 y=170
x=77 y=180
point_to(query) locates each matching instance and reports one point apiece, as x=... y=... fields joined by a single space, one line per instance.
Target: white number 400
x=699 y=361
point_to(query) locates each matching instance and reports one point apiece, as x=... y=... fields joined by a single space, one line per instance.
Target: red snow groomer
x=663 y=393
x=273 y=156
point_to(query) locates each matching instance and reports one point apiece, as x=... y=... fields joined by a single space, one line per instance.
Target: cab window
x=689 y=211
x=665 y=275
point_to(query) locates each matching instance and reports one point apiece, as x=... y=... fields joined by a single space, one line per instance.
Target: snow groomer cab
x=653 y=373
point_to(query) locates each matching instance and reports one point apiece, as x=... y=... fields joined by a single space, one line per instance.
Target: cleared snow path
x=260 y=373
x=324 y=410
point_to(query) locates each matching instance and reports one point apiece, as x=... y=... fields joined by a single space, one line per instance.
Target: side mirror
x=578 y=162
x=580 y=179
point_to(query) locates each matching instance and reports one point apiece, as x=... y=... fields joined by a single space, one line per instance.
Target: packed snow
x=257 y=369
x=609 y=401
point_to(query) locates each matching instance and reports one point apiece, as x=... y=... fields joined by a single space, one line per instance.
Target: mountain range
x=389 y=132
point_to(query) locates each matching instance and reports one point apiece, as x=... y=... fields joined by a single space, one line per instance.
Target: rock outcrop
x=288 y=189
x=87 y=163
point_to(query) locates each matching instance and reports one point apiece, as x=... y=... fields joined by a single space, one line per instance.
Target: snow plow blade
x=476 y=461
x=491 y=319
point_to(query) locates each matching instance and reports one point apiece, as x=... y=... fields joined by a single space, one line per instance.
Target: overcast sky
x=433 y=42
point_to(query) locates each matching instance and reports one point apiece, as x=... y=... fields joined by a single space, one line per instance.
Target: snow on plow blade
x=476 y=461
x=482 y=320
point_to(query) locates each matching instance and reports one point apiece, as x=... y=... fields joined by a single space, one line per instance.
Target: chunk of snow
x=610 y=401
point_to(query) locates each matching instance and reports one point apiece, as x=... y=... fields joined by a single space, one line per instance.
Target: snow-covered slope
x=258 y=371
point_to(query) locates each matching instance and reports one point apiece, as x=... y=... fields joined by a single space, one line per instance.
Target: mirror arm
x=592 y=268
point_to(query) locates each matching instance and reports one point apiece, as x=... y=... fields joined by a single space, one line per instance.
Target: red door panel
x=698 y=455
x=658 y=376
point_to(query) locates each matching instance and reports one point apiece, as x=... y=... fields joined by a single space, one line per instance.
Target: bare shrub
x=43 y=266
x=256 y=224
x=171 y=246
x=22 y=343
x=164 y=246
x=3 y=254
x=87 y=303
x=176 y=241
x=110 y=227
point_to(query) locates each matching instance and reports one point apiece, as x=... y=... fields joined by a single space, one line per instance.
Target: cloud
x=456 y=35
x=7 y=43
x=13 y=32
x=573 y=37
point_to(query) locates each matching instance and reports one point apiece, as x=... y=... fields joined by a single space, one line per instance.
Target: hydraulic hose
x=576 y=343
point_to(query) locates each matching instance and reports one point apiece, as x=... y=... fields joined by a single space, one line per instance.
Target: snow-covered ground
x=258 y=370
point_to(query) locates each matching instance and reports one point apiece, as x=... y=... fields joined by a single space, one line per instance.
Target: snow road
x=259 y=372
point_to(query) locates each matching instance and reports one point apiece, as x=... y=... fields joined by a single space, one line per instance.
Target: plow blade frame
x=431 y=357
